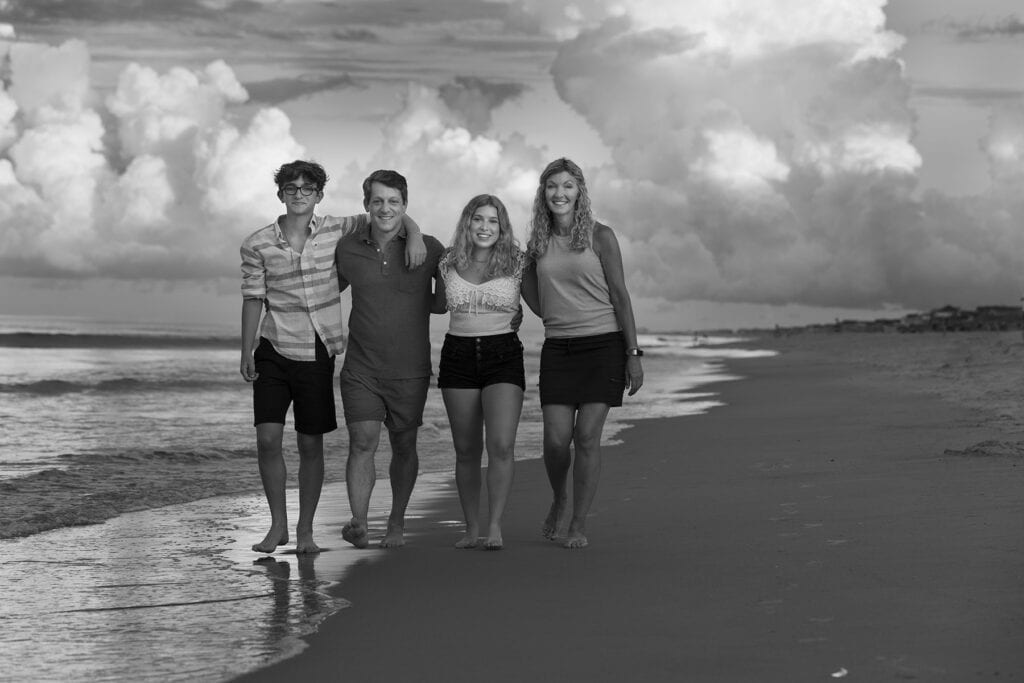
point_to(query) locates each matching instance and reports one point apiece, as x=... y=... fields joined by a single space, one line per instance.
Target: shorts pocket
x=456 y=352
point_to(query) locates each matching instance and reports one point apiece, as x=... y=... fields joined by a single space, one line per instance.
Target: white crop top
x=481 y=310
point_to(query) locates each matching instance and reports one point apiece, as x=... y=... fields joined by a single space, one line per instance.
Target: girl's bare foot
x=394 y=537
x=553 y=521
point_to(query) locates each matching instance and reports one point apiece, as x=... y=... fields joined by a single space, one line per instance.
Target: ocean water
x=131 y=494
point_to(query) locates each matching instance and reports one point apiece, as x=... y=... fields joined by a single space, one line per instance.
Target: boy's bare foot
x=271 y=541
x=493 y=543
x=304 y=543
x=355 y=532
x=394 y=538
x=551 y=523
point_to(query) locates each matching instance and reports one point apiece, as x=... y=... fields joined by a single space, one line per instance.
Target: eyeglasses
x=306 y=190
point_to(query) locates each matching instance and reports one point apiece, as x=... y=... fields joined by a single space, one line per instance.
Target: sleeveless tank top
x=574 y=297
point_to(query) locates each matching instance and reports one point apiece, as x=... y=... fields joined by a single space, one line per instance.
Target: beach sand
x=855 y=511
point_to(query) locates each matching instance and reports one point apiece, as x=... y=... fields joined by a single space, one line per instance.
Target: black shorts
x=577 y=370
x=476 y=362
x=309 y=385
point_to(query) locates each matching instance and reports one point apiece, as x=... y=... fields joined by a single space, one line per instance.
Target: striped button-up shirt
x=300 y=291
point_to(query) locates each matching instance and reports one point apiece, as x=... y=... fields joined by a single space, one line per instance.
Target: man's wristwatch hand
x=634 y=351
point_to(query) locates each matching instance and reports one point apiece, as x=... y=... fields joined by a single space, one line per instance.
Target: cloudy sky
x=762 y=161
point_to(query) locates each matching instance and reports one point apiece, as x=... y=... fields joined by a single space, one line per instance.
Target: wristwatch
x=634 y=351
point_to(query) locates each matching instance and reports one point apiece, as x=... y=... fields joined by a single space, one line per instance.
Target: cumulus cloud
x=157 y=181
x=447 y=159
x=163 y=178
x=763 y=152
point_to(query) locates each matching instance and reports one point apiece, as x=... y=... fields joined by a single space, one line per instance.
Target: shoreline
x=855 y=501
x=831 y=519
x=137 y=433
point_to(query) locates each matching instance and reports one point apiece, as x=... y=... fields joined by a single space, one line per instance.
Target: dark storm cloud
x=32 y=11
x=1010 y=26
x=476 y=98
x=280 y=90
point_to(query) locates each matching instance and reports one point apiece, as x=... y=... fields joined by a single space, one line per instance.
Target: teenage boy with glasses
x=291 y=306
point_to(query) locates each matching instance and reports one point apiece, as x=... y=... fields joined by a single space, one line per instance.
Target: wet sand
x=855 y=511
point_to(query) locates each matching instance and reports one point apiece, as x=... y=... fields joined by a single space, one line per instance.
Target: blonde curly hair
x=505 y=256
x=583 y=217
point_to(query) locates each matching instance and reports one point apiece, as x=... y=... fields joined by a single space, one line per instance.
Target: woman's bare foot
x=356 y=533
x=574 y=540
x=304 y=543
x=493 y=542
x=470 y=540
x=274 y=538
x=394 y=537
x=553 y=521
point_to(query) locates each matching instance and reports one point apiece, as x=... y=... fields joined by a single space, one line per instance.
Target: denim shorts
x=308 y=386
x=476 y=362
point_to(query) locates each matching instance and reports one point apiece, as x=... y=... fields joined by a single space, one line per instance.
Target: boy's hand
x=415 y=252
x=248 y=368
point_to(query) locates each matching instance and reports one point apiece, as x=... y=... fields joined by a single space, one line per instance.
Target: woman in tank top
x=481 y=373
x=575 y=283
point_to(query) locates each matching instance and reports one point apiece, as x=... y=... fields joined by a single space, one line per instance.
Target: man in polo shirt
x=386 y=373
x=288 y=270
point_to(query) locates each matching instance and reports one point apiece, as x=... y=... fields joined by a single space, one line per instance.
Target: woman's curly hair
x=540 y=225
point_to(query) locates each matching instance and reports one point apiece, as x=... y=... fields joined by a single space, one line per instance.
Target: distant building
x=999 y=317
x=945 y=319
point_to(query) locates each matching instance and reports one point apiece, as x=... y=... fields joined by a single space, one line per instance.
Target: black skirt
x=577 y=370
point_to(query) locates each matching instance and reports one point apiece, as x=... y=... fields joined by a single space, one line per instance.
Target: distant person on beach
x=481 y=374
x=575 y=282
x=386 y=373
x=291 y=305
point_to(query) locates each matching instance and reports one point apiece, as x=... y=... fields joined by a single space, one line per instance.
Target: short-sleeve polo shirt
x=389 y=325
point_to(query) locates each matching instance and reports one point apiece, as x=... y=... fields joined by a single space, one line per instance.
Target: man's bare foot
x=304 y=543
x=574 y=540
x=356 y=533
x=271 y=541
x=553 y=521
x=394 y=538
x=468 y=541
x=493 y=542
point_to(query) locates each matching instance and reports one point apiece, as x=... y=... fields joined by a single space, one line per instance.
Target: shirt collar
x=314 y=225
x=366 y=233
